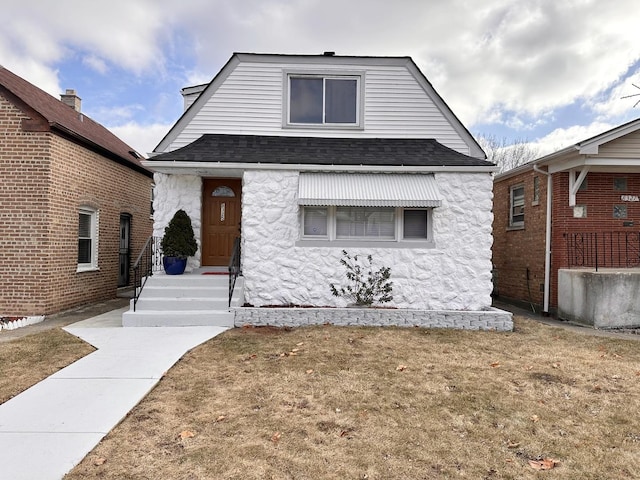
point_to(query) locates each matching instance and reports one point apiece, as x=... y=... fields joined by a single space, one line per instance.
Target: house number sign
x=630 y=198
x=222 y=211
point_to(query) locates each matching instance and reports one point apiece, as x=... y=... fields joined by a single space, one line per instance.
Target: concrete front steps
x=182 y=301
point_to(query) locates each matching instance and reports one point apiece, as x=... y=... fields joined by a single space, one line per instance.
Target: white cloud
x=143 y=138
x=508 y=62
x=564 y=137
x=95 y=63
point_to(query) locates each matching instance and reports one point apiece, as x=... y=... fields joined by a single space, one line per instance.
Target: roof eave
x=172 y=167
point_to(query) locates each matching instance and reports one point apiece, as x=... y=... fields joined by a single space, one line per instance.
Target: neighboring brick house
x=74 y=203
x=592 y=220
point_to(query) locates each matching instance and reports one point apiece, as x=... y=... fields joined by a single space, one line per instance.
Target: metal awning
x=368 y=190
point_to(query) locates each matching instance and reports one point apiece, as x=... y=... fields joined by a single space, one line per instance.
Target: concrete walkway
x=46 y=430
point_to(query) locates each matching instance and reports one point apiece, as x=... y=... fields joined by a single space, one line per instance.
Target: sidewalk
x=574 y=327
x=46 y=430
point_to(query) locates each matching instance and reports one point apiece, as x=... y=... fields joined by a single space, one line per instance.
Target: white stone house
x=304 y=156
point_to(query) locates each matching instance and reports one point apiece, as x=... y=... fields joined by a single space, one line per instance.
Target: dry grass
x=385 y=403
x=27 y=360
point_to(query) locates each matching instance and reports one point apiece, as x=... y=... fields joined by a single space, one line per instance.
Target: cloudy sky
x=551 y=72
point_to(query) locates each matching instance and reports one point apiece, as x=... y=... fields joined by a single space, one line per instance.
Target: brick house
x=74 y=203
x=590 y=222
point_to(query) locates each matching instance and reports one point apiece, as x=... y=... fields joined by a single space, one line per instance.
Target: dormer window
x=323 y=100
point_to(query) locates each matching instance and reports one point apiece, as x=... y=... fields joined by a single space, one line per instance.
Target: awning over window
x=368 y=190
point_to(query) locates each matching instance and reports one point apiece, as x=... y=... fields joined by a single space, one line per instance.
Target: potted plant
x=178 y=243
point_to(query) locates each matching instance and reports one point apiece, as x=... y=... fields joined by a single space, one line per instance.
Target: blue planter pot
x=174 y=265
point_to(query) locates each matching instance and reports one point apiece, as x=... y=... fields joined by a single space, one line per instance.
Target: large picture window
x=378 y=224
x=87 y=239
x=323 y=100
x=365 y=222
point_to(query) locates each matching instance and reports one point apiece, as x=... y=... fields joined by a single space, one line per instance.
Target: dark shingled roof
x=49 y=113
x=411 y=152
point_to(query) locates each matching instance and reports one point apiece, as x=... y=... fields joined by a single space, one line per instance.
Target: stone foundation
x=490 y=319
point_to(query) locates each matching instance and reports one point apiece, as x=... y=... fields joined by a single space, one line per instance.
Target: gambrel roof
x=47 y=113
x=201 y=118
x=262 y=149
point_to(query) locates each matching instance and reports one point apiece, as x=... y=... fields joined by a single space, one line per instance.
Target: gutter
x=171 y=166
x=547 y=241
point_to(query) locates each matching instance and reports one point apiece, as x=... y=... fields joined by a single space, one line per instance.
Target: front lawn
x=27 y=360
x=386 y=403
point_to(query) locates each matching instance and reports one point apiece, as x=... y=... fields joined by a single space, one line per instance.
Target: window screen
x=415 y=224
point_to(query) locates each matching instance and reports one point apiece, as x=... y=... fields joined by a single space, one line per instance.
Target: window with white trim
x=378 y=224
x=516 y=210
x=87 y=239
x=328 y=100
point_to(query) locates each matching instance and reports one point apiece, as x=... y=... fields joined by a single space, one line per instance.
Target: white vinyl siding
x=250 y=101
x=623 y=147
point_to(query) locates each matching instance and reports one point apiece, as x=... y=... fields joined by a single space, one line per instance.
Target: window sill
x=89 y=268
x=321 y=126
x=365 y=243
x=515 y=227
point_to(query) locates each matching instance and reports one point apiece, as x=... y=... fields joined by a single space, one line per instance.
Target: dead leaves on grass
x=544 y=464
x=293 y=352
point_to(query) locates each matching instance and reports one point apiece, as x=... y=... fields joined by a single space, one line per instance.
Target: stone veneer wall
x=175 y=192
x=490 y=319
x=455 y=275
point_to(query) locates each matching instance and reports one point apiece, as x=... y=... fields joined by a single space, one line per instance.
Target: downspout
x=547 y=246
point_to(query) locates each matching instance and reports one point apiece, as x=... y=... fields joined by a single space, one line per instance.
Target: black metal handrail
x=617 y=249
x=234 y=267
x=149 y=261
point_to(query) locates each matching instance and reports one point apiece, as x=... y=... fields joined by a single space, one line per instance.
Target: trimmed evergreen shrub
x=179 y=240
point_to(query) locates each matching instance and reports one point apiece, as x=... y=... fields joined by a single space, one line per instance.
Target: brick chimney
x=70 y=98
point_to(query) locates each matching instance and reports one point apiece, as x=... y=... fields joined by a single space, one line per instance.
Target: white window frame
x=398 y=241
x=345 y=75
x=93 y=232
x=515 y=202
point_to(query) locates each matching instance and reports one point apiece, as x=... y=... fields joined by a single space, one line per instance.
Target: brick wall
x=516 y=250
x=45 y=179
x=519 y=252
x=24 y=202
x=598 y=197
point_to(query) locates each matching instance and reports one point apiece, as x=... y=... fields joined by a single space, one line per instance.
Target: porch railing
x=618 y=249
x=149 y=261
x=234 y=267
